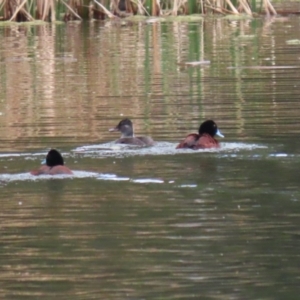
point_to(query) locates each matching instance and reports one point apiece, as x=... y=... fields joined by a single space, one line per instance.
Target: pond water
x=155 y=222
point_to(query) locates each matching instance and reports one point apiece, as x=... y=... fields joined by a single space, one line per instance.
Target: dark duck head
x=210 y=127
x=54 y=158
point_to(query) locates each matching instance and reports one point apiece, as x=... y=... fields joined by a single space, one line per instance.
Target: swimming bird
x=205 y=139
x=54 y=165
x=126 y=128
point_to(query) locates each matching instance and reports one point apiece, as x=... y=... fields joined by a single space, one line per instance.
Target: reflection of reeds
x=56 y=89
x=50 y=10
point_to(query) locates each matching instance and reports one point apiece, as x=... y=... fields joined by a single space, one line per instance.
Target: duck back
x=56 y=170
x=206 y=141
x=189 y=142
x=130 y=141
x=147 y=140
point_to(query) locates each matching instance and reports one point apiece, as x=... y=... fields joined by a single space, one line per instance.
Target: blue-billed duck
x=126 y=128
x=205 y=139
x=54 y=165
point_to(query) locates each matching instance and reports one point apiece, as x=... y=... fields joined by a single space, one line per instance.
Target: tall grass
x=51 y=10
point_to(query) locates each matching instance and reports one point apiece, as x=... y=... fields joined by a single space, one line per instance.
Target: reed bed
x=52 y=10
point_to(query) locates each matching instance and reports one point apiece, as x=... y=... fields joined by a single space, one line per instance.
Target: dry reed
x=51 y=10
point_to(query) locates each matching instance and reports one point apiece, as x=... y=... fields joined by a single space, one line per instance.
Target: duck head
x=125 y=127
x=54 y=158
x=211 y=128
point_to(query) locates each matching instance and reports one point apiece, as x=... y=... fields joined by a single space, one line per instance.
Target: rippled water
x=154 y=222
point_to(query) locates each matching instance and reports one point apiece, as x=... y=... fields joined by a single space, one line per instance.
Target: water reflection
x=69 y=92
x=150 y=223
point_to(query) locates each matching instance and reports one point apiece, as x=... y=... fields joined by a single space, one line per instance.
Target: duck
x=125 y=126
x=205 y=139
x=54 y=165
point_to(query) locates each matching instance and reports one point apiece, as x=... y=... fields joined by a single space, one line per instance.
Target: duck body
x=54 y=165
x=195 y=141
x=204 y=139
x=126 y=128
x=136 y=140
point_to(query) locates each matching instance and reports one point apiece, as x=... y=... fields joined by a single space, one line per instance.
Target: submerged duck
x=126 y=128
x=205 y=139
x=54 y=165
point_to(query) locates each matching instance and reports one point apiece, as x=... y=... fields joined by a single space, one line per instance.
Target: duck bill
x=114 y=129
x=218 y=133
